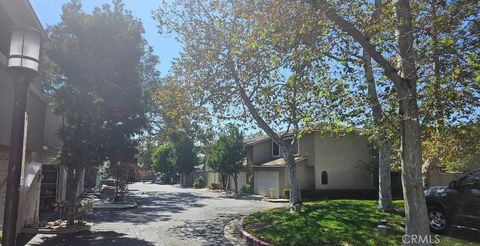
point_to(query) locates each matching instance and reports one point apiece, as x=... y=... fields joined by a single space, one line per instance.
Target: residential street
x=166 y=215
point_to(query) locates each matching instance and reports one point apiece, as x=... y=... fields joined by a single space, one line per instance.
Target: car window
x=471 y=180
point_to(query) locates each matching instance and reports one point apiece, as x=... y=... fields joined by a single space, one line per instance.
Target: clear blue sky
x=166 y=48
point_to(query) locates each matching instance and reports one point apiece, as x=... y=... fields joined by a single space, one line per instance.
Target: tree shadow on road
x=102 y=238
x=153 y=207
x=206 y=231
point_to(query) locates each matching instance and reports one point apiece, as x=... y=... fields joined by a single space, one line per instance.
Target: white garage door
x=266 y=181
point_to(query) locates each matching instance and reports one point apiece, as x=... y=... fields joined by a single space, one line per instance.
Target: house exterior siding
x=307 y=149
x=262 y=151
x=341 y=158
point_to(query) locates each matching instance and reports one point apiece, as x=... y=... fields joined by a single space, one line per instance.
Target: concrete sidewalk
x=100 y=203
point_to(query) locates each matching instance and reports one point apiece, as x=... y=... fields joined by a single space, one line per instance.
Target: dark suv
x=458 y=204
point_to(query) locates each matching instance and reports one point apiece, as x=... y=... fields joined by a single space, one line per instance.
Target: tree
x=404 y=77
x=177 y=155
x=385 y=146
x=144 y=154
x=227 y=155
x=228 y=60
x=164 y=160
x=186 y=157
x=448 y=43
x=96 y=62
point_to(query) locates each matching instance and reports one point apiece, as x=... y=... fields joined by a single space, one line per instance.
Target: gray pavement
x=166 y=215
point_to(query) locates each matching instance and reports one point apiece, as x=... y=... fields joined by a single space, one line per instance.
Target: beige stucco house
x=322 y=163
x=216 y=177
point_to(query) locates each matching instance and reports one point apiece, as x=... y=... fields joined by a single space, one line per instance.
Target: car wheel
x=437 y=219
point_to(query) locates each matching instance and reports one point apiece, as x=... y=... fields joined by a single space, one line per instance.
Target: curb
x=62 y=231
x=276 y=200
x=118 y=206
x=251 y=240
x=112 y=208
x=230 y=232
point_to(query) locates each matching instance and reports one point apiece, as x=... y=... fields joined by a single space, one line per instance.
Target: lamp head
x=24 y=49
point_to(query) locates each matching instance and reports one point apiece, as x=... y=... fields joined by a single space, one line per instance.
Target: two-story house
x=322 y=163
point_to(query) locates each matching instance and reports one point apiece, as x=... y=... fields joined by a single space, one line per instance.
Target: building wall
x=307 y=148
x=443 y=179
x=262 y=151
x=340 y=158
x=52 y=124
x=213 y=177
x=305 y=175
x=36 y=110
x=241 y=179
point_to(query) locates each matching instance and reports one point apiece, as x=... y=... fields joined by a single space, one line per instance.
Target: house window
x=275 y=150
x=324 y=178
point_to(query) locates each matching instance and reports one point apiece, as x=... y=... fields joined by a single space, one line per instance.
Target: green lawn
x=332 y=222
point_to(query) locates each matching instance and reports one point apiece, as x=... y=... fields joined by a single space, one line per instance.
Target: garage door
x=266 y=181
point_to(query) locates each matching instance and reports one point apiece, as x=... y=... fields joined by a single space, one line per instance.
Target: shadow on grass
x=91 y=238
x=338 y=222
x=350 y=222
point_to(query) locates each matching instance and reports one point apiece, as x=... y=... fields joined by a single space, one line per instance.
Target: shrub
x=215 y=186
x=286 y=193
x=247 y=189
x=198 y=183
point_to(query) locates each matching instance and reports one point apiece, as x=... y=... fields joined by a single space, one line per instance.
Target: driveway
x=166 y=215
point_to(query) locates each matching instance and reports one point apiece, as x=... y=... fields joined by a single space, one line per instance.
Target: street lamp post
x=23 y=61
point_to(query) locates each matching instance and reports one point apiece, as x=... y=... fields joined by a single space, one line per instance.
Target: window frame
x=285 y=139
x=324 y=180
x=273 y=144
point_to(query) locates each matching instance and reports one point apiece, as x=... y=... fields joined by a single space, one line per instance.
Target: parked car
x=457 y=204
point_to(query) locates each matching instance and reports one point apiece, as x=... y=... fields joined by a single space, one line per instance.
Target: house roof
x=23 y=15
x=260 y=138
x=279 y=162
x=255 y=140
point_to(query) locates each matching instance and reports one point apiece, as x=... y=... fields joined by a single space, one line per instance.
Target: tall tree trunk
x=288 y=152
x=295 y=199
x=404 y=78
x=235 y=180
x=71 y=196
x=384 y=177
x=411 y=147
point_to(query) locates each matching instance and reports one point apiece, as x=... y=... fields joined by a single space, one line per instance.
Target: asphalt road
x=166 y=215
